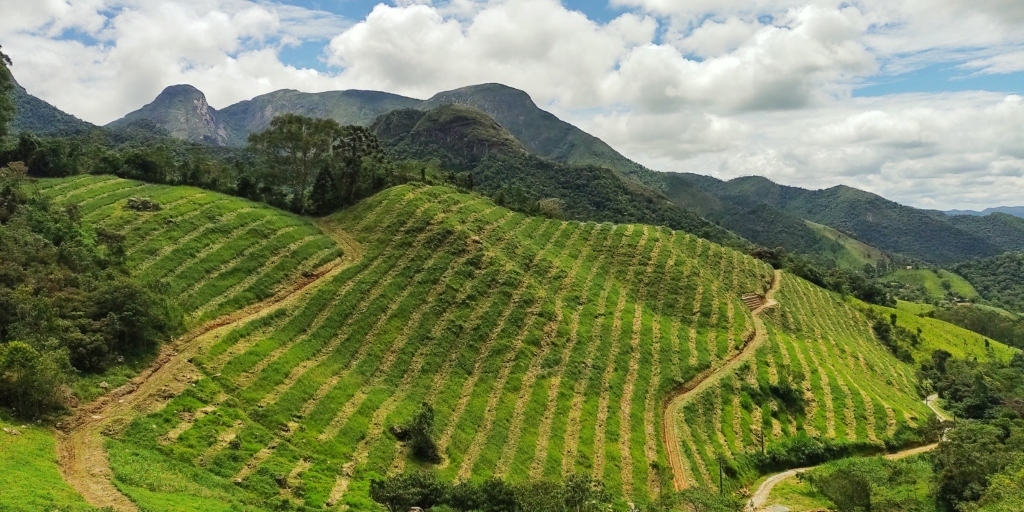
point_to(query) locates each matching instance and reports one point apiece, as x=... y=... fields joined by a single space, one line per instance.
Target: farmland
x=545 y=348
x=215 y=253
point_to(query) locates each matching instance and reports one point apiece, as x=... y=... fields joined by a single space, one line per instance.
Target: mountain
x=346 y=107
x=1016 y=211
x=467 y=140
x=182 y=110
x=540 y=132
x=35 y=115
x=925 y=235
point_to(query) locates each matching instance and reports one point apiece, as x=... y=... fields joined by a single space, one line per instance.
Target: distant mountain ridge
x=741 y=205
x=1016 y=211
x=755 y=208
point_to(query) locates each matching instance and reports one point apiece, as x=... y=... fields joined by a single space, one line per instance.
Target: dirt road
x=80 y=453
x=705 y=379
x=760 y=497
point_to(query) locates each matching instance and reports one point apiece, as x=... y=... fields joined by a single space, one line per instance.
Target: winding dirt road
x=683 y=394
x=82 y=459
x=760 y=497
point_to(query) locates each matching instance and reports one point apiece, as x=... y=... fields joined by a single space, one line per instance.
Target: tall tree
x=296 y=147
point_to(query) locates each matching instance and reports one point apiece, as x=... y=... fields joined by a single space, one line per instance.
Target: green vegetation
x=7 y=107
x=489 y=316
x=928 y=285
x=821 y=387
x=936 y=334
x=466 y=141
x=213 y=253
x=993 y=323
x=875 y=484
x=28 y=471
x=849 y=252
x=999 y=279
x=67 y=303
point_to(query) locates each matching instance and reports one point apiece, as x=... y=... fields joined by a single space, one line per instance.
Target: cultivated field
x=545 y=348
x=214 y=253
x=850 y=389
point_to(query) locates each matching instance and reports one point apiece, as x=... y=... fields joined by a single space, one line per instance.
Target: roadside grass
x=29 y=479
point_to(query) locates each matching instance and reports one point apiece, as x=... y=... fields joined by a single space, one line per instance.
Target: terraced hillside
x=215 y=253
x=545 y=348
x=849 y=390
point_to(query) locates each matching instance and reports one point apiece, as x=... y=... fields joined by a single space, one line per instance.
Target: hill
x=545 y=348
x=35 y=115
x=849 y=252
x=466 y=140
x=999 y=279
x=216 y=254
x=539 y=131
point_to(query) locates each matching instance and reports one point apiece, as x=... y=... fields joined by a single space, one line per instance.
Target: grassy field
x=850 y=253
x=936 y=335
x=545 y=348
x=853 y=391
x=28 y=471
x=935 y=281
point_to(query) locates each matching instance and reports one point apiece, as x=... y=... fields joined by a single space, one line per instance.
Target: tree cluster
x=67 y=302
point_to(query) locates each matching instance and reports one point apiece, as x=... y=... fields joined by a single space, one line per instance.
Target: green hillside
x=937 y=284
x=214 y=253
x=894 y=228
x=819 y=380
x=849 y=252
x=493 y=317
x=545 y=348
x=467 y=141
x=999 y=279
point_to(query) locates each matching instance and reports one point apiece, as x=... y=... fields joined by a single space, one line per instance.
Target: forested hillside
x=999 y=279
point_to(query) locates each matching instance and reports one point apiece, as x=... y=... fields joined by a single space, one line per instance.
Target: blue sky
x=918 y=100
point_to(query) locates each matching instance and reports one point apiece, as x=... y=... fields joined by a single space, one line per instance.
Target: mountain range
x=495 y=121
x=1016 y=211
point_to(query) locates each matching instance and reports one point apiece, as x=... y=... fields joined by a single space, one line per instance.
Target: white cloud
x=948 y=150
x=728 y=87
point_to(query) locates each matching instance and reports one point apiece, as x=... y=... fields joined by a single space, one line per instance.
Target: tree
x=402 y=492
x=419 y=434
x=7 y=108
x=970 y=454
x=296 y=147
x=324 y=198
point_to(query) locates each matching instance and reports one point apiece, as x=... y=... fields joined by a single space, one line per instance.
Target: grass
x=939 y=335
x=854 y=392
x=28 y=471
x=494 y=318
x=798 y=496
x=935 y=282
x=849 y=252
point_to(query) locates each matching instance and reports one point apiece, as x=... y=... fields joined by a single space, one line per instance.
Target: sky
x=921 y=101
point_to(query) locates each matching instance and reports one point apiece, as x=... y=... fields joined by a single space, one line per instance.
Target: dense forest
x=999 y=279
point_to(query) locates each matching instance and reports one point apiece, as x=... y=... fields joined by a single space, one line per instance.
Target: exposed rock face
x=182 y=110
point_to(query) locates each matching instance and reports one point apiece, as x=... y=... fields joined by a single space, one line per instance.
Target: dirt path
x=83 y=461
x=760 y=497
x=703 y=381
